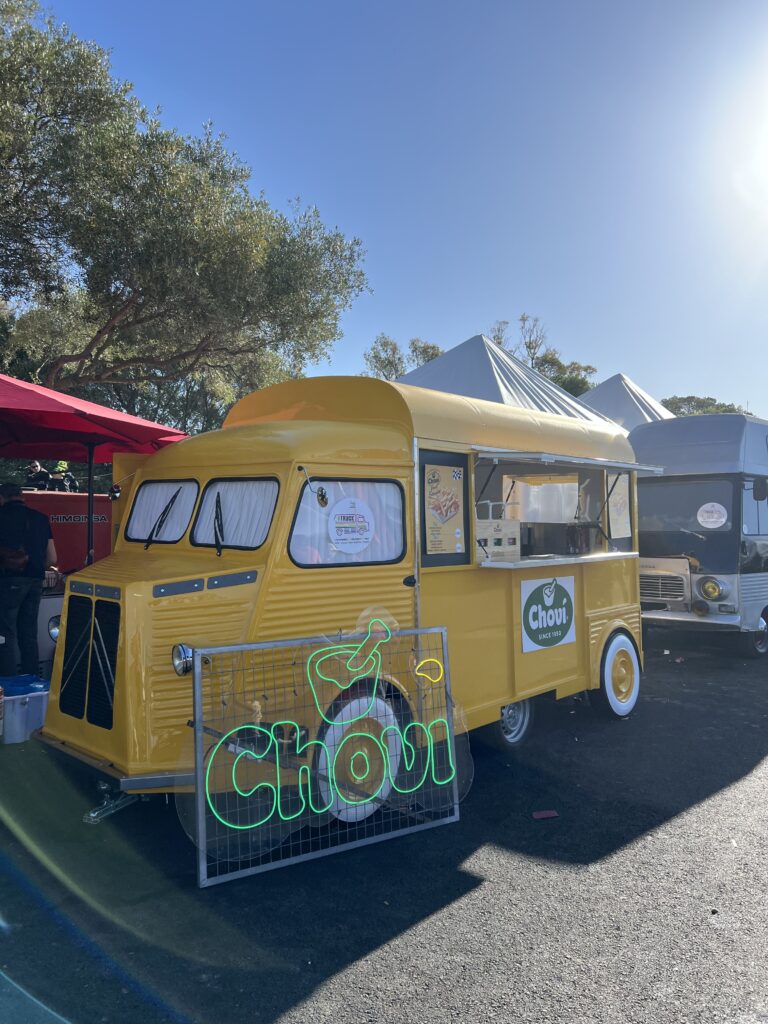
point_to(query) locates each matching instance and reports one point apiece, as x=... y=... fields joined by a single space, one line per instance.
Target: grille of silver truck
x=655 y=587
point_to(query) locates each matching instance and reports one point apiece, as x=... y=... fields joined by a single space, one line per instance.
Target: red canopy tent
x=45 y=424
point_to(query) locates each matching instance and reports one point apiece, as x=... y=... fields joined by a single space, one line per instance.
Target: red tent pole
x=89 y=555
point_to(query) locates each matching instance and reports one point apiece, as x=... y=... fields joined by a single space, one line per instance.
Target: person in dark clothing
x=37 y=477
x=61 y=478
x=24 y=534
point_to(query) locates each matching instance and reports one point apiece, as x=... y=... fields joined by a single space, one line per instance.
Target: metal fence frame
x=204 y=880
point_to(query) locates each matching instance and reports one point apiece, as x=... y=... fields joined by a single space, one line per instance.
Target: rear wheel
x=755 y=644
x=619 y=677
x=513 y=728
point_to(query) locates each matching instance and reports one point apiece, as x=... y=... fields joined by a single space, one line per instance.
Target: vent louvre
x=77 y=645
x=101 y=678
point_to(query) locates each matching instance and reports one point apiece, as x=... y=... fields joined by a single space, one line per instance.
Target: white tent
x=478 y=368
x=622 y=401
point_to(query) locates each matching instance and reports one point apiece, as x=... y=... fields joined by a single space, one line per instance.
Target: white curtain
x=361 y=522
x=247 y=507
x=151 y=499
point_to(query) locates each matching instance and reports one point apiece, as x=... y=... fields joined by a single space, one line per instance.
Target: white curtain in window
x=361 y=522
x=247 y=507
x=151 y=499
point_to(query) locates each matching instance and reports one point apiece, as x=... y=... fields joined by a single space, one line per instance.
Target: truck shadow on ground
x=259 y=946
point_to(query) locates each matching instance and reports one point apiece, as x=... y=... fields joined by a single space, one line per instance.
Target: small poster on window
x=619 y=508
x=351 y=525
x=444 y=502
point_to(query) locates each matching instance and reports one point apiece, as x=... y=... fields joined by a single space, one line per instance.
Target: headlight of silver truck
x=54 y=626
x=712 y=588
x=181 y=657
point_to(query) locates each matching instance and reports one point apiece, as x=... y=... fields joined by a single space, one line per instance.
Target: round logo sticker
x=351 y=525
x=712 y=516
x=548 y=614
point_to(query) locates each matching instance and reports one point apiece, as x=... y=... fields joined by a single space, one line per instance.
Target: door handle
x=409 y=581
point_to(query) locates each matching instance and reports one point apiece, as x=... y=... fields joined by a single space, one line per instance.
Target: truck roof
x=701 y=445
x=410 y=412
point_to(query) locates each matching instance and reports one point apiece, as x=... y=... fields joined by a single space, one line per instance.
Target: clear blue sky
x=603 y=165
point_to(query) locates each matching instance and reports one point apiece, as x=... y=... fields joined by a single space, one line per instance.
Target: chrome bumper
x=127 y=783
x=689 y=620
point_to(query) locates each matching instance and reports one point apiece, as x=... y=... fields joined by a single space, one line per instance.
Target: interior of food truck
x=527 y=512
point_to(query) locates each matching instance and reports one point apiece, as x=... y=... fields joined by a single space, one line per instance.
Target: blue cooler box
x=24 y=704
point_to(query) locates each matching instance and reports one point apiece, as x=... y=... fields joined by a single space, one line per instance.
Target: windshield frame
x=270 y=478
x=156 y=540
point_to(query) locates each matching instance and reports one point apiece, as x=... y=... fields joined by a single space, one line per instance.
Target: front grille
x=661 y=587
x=101 y=678
x=90 y=659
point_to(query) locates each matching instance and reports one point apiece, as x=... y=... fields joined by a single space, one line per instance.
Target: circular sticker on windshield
x=351 y=525
x=712 y=516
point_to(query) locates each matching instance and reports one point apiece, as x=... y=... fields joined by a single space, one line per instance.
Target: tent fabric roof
x=625 y=403
x=41 y=423
x=478 y=368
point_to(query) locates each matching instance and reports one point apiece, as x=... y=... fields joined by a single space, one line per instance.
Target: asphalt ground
x=643 y=900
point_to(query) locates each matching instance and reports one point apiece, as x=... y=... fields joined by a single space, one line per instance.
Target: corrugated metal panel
x=301 y=605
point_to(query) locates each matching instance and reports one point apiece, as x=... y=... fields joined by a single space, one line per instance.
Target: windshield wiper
x=218 y=525
x=160 y=521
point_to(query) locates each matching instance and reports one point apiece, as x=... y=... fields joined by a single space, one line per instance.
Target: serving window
x=528 y=511
x=348 y=522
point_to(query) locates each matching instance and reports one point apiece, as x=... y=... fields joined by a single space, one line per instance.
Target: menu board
x=444 y=502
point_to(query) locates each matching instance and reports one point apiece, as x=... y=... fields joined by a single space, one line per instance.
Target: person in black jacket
x=26 y=551
x=37 y=477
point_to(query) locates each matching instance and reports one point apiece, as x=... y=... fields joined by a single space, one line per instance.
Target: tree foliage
x=140 y=257
x=531 y=347
x=694 y=405
x=385 y=358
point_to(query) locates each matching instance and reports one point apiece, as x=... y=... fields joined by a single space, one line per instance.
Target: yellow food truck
x=321 y=498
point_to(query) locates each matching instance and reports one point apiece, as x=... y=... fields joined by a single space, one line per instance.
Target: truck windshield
x=161 y=511
x=235 y=514
x=689 y=517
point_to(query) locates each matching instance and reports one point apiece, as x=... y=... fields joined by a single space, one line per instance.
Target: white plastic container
x=22 y=715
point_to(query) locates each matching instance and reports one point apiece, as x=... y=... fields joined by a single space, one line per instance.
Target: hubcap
x=622 y=676
x=514 y=720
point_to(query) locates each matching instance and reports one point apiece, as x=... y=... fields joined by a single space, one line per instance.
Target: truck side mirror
x=760 y=488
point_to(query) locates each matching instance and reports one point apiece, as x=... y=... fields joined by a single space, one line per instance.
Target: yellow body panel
x=336 y=427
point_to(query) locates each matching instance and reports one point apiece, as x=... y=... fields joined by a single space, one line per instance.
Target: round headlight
x=712 y=588
x=54 y=625
x=181 y=657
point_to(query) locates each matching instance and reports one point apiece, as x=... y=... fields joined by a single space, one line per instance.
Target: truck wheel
x=351 y=769
x=513 y=728
x=755 y=645
x=619 y=677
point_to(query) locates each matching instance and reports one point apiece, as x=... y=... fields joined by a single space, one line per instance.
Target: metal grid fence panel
x=307 y=747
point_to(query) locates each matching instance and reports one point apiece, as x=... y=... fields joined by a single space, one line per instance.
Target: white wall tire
x=353 y=754
x=619 y=676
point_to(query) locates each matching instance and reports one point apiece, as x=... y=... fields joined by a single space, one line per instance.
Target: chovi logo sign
x=548 y=618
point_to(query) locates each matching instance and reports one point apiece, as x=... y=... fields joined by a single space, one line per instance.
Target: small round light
x=712 y=588
x=54 y=626
x=700 y=608
x=181 y=657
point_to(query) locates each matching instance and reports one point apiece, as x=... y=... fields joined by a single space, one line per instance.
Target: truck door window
x=152 y=499
x=357 y=522
x=235 y=514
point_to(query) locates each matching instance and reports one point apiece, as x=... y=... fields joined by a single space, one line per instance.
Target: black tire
x=755 y=645
x=619 y=678
x=513 y=729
